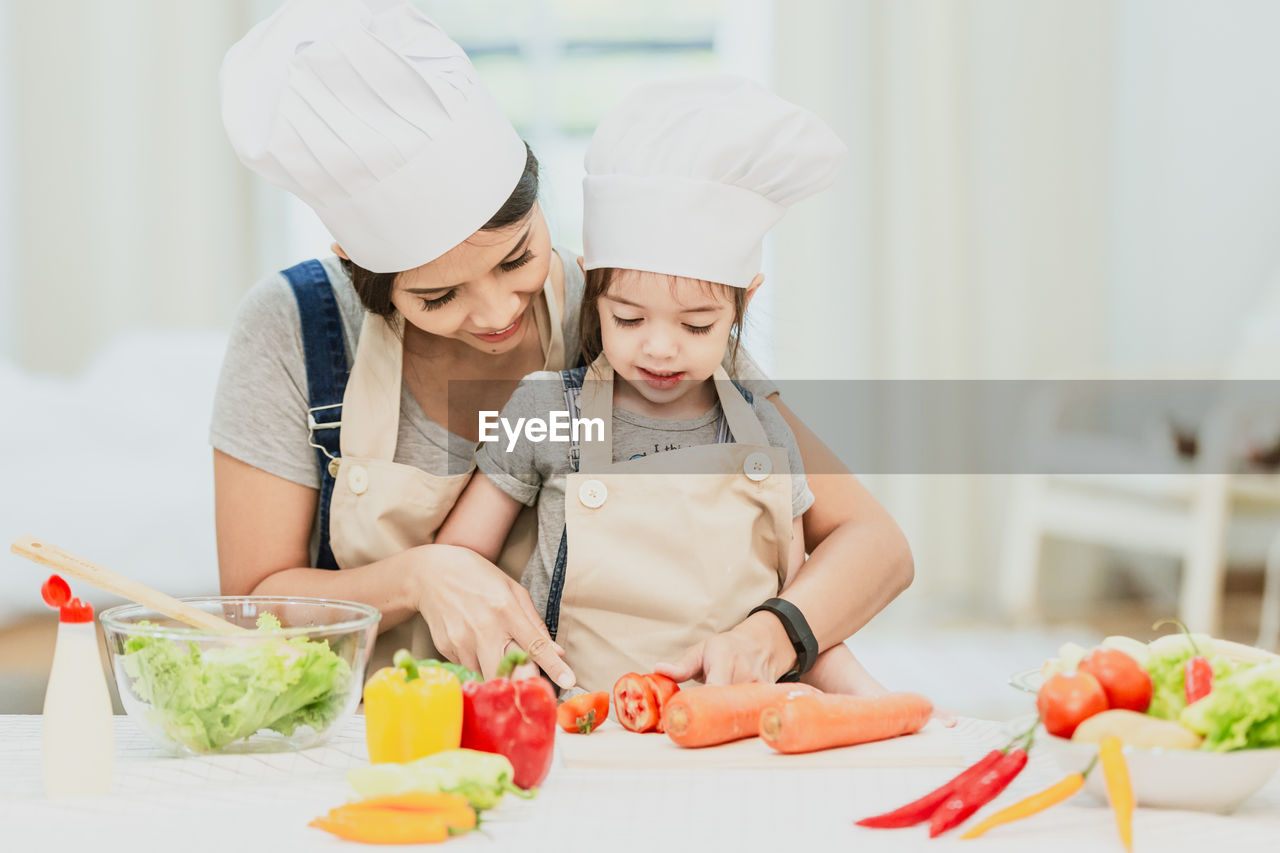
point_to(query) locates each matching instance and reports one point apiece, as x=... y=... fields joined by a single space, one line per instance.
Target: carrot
x=823 y=721
x=706 y=716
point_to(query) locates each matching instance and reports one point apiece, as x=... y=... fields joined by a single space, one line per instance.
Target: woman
x=371 y=115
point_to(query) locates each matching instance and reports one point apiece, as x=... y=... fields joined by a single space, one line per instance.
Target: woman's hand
x=757 y=649
x=475 y=612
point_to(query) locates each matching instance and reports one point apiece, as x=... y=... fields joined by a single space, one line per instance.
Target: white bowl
x=1174 y=778
x=1191 y=779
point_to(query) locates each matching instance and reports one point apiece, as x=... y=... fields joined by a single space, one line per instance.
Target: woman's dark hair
x=374 y=288
x=597 y=285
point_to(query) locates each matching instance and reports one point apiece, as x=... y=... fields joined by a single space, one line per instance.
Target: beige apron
x=381 y=507
x=659 y=558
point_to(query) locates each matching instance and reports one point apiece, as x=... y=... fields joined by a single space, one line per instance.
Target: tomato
x=1124 y=681
x=635 y=704
x=663 y=689
x=1067 y=700
x=583 y=714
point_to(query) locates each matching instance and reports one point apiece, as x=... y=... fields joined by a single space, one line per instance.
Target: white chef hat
x=685 y=177
x=375 y=118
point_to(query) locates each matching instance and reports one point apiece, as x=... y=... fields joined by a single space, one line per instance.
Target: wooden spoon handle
x=94 y=575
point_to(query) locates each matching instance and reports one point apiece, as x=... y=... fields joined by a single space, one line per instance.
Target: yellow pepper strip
x=411 y=713
x=1032 y=804
x=1119 y=790
x=402 y=819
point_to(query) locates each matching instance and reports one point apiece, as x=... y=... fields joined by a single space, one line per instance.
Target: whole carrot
x=1119 y=791
x=706 y=716
x=823 y=721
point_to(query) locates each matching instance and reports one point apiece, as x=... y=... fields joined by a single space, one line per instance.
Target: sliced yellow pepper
x=411 y=713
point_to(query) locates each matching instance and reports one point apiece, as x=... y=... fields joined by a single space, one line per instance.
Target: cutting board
x=613 y=747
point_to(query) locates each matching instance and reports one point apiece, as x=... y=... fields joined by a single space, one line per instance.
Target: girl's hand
x=475 y=613
x=755 y=650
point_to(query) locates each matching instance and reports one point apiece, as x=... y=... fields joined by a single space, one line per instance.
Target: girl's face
x=664 y=335
x=480 y=291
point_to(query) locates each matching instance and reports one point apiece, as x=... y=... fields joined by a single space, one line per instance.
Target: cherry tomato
x=583 y=714
x=1123 y=679
x=635 y=703
x=1067 y=700
x=663 y=689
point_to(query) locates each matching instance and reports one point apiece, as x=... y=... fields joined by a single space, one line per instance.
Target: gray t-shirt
x=535 y=471
x=260 y=407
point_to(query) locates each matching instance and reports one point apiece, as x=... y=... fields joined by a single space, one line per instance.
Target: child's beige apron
x=381 y=507
x=670 y=549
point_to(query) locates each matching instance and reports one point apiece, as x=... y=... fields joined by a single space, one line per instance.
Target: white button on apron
x=593 y=493
x=757 y=466
x=358 y=480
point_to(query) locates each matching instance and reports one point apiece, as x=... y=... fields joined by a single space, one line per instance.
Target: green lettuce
x=207 y=699
x=1167 y=668
x=1242 y=712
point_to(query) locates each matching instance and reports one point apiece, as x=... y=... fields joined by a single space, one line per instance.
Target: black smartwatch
x=798 y=632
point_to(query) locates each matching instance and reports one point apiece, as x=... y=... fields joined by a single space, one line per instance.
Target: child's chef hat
x=685 y=177
x=374 y=117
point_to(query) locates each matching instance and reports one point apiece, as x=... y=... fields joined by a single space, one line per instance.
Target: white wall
x=8 y=200
x=133 y=208
x=1195 y=227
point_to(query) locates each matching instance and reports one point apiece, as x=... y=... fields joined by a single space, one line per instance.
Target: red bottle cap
x=56 y=593
x=76 y=610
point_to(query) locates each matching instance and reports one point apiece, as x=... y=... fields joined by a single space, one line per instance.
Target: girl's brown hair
x=374 y=288
x=597 y=285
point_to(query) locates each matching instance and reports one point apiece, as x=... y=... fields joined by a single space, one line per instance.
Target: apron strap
x=325 y=351
x=735 y=402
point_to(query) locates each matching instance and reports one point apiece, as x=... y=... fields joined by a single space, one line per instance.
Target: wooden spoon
x=94 y=575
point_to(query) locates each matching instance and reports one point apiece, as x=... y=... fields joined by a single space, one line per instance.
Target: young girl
x=683 y=517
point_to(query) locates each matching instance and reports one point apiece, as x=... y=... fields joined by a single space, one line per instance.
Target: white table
x=263 y=802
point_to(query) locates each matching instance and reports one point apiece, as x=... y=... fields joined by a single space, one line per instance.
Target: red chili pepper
x=1198 y=674
x=978 y=792
x=918 y=811
x=513 y=718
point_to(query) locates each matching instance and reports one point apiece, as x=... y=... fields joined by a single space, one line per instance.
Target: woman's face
x=480 y=291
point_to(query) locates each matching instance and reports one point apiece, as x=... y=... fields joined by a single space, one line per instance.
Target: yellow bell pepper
x=411 y=713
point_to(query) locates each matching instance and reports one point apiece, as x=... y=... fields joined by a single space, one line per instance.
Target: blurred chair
x=1184 y=515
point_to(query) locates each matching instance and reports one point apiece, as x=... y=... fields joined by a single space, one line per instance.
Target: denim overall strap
x=572 y=382
x=325 y=350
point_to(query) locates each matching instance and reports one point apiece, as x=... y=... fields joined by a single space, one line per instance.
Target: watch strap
x=798 y=632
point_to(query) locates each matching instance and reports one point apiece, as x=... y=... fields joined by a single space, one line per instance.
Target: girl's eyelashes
x=627 y=323
x=509 y=266
x=439 y=301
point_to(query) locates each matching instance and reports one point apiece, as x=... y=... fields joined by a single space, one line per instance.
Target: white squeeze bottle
x=77 y=743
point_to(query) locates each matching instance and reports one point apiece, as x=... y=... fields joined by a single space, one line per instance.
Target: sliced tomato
x=635 y=703
x=583 y=714
x=663 y=689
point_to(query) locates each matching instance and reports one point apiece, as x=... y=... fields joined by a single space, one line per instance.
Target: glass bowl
x=197 y=692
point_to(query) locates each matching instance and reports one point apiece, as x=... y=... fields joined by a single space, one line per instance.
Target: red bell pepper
x=515 y=718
